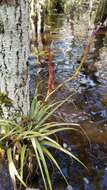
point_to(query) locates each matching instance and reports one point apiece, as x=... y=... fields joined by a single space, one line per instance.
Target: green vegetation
x=32 y=137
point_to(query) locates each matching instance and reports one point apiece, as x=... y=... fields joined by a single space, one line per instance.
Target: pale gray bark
x=14 y=51
x=101 y=14
x=37 y=17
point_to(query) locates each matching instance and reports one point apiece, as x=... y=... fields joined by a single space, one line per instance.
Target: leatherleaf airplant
x=33 y=136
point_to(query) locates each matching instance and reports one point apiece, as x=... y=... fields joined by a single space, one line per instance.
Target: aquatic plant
x=33 y=137
x=51 y=73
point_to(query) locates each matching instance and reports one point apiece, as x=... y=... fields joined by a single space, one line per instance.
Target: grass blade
x=46 y=151
x=55 y=124
x=44 y=164
x=12 y=169
x=39 y=162
x=22 y=157
x=50 y=142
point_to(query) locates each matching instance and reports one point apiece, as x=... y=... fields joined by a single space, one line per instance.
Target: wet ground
x=66 y=36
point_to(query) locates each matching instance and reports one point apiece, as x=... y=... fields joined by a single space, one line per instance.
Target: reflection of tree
x=98 y=43
x=14 y=50
x=101 y=14
x=91 y=67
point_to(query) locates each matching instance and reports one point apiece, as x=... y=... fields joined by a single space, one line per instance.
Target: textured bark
x=14 y=51
x=37 y=20
x=101 y=14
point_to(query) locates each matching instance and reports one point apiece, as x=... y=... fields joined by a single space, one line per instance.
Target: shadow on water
x=5 y=182
x=66 y=36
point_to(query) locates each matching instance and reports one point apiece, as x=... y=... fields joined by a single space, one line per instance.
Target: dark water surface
x=66 y=37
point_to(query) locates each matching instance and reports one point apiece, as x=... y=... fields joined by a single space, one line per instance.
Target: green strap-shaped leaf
x=56 y=124
x=46 y=151
x=22 y=157
x=50 y=142
x=39 y=162
x=44 y=164
x=13 y=171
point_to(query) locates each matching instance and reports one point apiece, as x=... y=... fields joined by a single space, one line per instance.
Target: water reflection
x=67 y=35
x=5 y=182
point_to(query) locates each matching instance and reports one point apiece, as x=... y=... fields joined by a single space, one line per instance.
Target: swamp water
x=65 y=37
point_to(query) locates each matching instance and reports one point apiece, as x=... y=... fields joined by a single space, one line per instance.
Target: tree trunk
x=14 y=51
x=101 y=14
